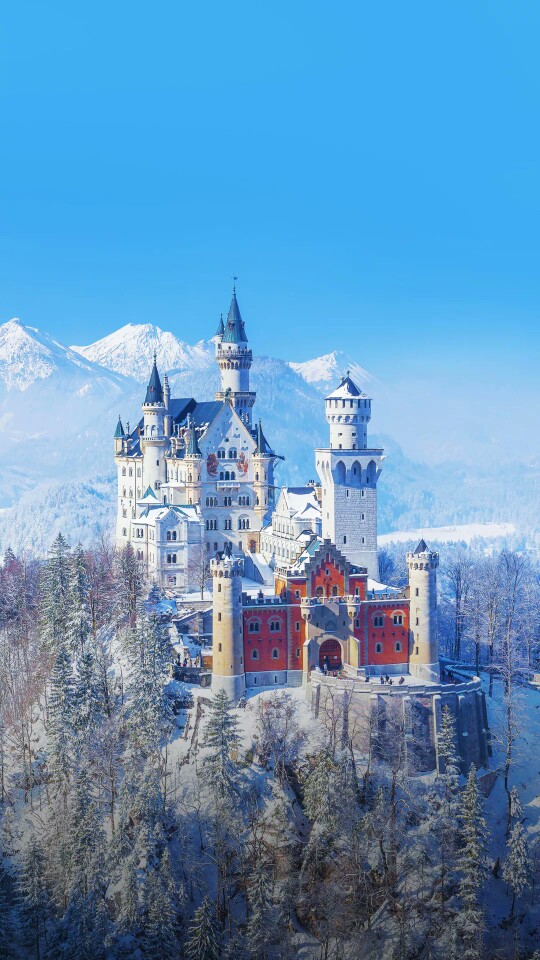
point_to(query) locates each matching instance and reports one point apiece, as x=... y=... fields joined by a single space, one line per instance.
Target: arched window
x=221 y=454
x=254 y=626
x=398 y=647
x=123 y=471
x=255 y=654
x=168 y=534
x=341 y=472
x=378 y=648
x=378 y=620
x=275 y=654
x=174 y=534
x=232 y=453
x=334 y=591
x=398 y=619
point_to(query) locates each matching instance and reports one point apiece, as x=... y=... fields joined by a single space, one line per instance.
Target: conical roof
x=262 y=443
x=119 y=432
x=192 y=446
x=346 y=389
x=422 y=547
x=221 y=328
x=154 y=390
x=235 y=331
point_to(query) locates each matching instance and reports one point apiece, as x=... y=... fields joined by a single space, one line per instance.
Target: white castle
x=197 y=478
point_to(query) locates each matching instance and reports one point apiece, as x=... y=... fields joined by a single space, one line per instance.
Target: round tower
x=424 y=658
x=348 y=412
x=234 y=359
x=228 y=640
x=193 y=464
x=154 y=440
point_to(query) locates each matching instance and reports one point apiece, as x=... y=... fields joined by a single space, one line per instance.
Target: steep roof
x=422 y=547
x=154 y=390
x=262 y=443
x=221 y=328
x=192 y=446
x=119 y=432
x=235 y=332
x=347 y=389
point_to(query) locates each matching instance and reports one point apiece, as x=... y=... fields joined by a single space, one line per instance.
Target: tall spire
x=235 y=332
x=119 y=432
x=192 y=446
x=221 y=328
x=154 y=390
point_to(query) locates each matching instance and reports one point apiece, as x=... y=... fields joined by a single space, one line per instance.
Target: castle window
x=378 y=621
x=168 y=534
x=228 y=524
x=219 y=588
x=297 y=594
x=275 y=654
x=378 y=648
x=363 y=516
x=417 y=622
x=221 y=453
x=254 y=626
x=297 y=625
x=138 y=471
x=398 y=619
x=139 y=555
x=275 y=626
x=334 y=591
x=357 y=624
x=124 y=532
x=344 y=539
x=416 y=592
x=357 y=591
x=363 y=539
x=123 y=471
x=398 y=647
x=298 y=651
x=416 y=651
x=255 y=654
x=219 y=648
x=131 y=471
x=124 y=512
x=232 y=453
x=219 y=616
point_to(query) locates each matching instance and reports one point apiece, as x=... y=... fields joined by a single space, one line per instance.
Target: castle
x=196 y=495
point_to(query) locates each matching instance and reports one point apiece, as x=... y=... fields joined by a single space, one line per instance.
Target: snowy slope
x=324 y=372
x=129 y=350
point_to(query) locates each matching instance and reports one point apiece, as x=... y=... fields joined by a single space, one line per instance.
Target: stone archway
x=330 y=652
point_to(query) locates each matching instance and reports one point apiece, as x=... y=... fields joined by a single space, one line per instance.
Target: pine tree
x=472 y=869
x=203 y=939
x=61 y=717
x=260 y=916
x=222 y=738
x=517 y=869
x=149 y=654
x=79 y=619
x=160 y=921
x=55 y=596
x=36 y=907
x=88 y=707
x=87 y=840
x=130 y=914
x=7 y=924
x=446 y=804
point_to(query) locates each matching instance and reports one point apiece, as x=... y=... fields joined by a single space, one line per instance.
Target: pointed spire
x=262 y=443
x=422 y=547
x=221 y=327
x=154 y=390
x=192 y=446
x=119 y=432
x=235 y=332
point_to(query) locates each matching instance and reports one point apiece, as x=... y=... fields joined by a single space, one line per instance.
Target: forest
x=137 y=822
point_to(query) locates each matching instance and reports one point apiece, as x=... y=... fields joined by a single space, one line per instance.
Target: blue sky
x=370 y=171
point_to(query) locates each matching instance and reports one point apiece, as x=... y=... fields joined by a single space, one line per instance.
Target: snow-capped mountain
x=324 y=372
x=129 y=351
x=27 y=356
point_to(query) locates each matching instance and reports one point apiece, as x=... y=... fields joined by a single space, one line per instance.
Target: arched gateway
x=330 y=653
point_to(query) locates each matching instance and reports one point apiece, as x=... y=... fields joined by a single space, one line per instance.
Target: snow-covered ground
x=466 y=532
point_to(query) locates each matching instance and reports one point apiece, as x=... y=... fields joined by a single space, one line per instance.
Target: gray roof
x=235 y=331
x=154 y=390
x=422 y=547
x=119 y=432
x=262 y=443
x=221 y=328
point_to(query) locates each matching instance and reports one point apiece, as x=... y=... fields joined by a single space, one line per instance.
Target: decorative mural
x=212 y=465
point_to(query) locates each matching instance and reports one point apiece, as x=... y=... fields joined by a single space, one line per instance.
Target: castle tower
x=424 y=658
x=154 y=439
x=119 y=437
x=193 y=464
x=235 y=358
x=263 y=475
x=228 y=642
x=349 y=471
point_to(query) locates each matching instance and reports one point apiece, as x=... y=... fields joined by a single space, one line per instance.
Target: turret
x=193 y=464
x=228 y=669
x=154 y=440
x=349 y=471
x=424 y=657
x=235 y=358
x=263 y=474
x=119 y=437
x=167 y=405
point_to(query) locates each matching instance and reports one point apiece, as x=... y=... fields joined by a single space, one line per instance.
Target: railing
x=374 y=686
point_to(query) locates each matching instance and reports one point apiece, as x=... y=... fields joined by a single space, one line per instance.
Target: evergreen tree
x=203 y=940
x=472 y=869
x=129 y=915
x=87 y=839
x=55 y=596
x=7 y=920
x=517 y=868
x=61 y=717
x=34 y=897
x=149 y=654
x=160 y=921
x=260 y=915
x=79 y=618
x=446 y=804
x=88 y=706
x=222 y=738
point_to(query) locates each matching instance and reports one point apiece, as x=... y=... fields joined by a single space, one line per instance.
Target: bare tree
x=198 y=569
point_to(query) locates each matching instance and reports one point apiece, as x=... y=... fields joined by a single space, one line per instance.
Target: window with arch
x=211 y=525
x=378 y=620
x=255 y=654
x=254 y=626
x=398 y=646
x=398 y=619
x=334 y=591
x=275 y=654
x=378 y=648
x=174 y=534
x=275 y=626
x=123 y=471
x=232 y=453
x=221 y=454
x=168 y=534
x=228 y=523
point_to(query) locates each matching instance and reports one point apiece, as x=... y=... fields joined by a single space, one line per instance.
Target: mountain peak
x=326 y=371
x=130 y=349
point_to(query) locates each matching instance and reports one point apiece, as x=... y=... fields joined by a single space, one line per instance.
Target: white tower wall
x=228 y=642
x=424 y=657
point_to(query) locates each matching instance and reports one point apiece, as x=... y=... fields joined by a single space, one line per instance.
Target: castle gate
x=330 y=653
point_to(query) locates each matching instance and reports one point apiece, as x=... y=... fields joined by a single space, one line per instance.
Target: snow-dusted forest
x=142 y=818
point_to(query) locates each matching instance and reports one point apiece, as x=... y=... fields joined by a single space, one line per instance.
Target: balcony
x=228 y=484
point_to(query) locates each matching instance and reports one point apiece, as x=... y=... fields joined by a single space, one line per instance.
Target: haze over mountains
x=59 y=405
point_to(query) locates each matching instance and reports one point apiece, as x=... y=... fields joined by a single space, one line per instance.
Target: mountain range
x=59 y=406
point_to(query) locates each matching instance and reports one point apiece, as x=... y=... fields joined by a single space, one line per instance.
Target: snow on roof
x=346 y=390
x=299 y=499
x=377 y=587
